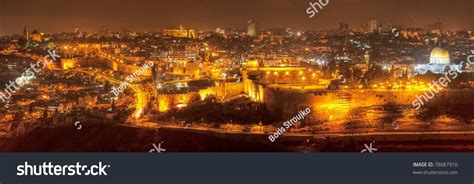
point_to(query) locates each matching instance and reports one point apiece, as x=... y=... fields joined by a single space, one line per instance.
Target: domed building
x=439 y=56
x=439 y=63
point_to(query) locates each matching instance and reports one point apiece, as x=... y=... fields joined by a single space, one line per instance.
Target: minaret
x=26 y=34
x=367 y=60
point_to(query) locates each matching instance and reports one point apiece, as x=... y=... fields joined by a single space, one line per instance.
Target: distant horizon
x=56 y=16
x=30 y=29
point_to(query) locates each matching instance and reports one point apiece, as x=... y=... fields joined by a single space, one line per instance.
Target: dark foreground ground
x=114 y=138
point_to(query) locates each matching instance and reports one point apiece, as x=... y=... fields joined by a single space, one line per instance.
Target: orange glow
x=163 y=104
x=334 y=109
x=114 y=66
x=68 y=63
x=203 y=93
x=255 y=91
x=252 y=64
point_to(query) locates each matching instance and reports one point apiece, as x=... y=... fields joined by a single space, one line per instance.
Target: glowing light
x=163 y=105
x=203 y=93
x=138 y=113
x=181 y=105
x=68 y=63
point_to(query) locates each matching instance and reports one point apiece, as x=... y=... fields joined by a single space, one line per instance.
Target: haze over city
x=149 y=15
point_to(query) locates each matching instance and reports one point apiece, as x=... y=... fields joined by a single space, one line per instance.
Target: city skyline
x=177 y=77
x=151 y=16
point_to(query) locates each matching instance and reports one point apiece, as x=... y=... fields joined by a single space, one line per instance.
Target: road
x=141 y=96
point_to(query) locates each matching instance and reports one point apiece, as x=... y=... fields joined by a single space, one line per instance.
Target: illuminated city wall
x=180 y=33
x=342 y=105
x=222 y=91
x=254 y=90
x=169 y=101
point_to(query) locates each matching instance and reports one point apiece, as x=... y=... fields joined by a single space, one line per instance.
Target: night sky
x=153 y=15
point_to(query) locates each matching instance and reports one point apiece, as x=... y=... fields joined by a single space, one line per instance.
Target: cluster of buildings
x=189 y=61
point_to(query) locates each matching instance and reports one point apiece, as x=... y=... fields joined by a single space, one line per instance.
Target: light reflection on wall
x=163 y=103
x=206 y=92
x=255 y=91
x=333 y=108
x=169 y=101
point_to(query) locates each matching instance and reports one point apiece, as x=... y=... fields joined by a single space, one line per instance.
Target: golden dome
x=439 y=52
x=439 y=56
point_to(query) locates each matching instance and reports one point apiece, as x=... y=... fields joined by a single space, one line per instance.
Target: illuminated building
x=36 y=36
x=372 y=26
x=180 y=33
x=273 y=59
x=439 y=56
x=176 y=61
x=252 y=28
x=252 y=64
x=193 y=69
x=87 y=101
x=105 y=32
x=439 y=63
x=68 y=63
x=367 y=61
